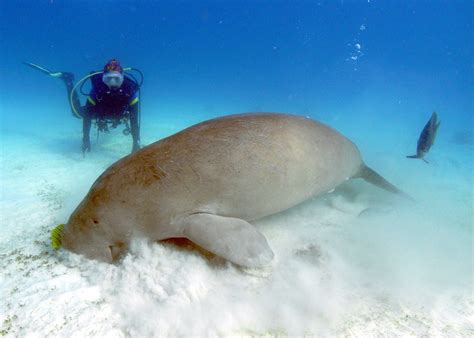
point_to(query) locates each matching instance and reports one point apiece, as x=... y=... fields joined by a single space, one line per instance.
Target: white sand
x=397 y=269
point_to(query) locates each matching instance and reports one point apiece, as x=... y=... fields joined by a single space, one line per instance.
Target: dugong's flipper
x=231 y=238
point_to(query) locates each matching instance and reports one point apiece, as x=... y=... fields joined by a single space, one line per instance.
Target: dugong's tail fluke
x=376 y=179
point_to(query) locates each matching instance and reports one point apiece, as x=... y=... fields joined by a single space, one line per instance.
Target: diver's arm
x=134 y=125
x=86 y=127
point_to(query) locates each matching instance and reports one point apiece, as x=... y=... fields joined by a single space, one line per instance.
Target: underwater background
x=355 y=262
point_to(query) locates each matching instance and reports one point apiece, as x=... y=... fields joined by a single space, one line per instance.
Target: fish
x=427 y=138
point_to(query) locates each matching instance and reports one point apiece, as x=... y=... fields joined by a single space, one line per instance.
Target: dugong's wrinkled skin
x=205 y=182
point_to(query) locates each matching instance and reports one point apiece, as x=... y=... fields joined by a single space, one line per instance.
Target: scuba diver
x=113 y=99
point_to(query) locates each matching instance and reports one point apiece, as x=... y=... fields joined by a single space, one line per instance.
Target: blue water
x=374 y=70
x=223 y=57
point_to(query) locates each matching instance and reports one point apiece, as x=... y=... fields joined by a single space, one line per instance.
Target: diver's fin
x=231 y=238
x=41 y=69
x=44 y=70
x=376 y=179
x=413 y=156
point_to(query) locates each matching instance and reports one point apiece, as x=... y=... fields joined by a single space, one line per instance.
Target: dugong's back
x=245 y=166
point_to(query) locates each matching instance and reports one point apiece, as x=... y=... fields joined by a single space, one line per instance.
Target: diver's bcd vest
x=112 y=103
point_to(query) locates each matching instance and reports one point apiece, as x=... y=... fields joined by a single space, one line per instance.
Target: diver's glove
x=86 y=145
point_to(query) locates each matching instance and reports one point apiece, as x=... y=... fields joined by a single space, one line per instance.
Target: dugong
x=207 y=182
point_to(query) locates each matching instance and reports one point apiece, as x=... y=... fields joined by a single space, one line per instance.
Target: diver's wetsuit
x=107 y=105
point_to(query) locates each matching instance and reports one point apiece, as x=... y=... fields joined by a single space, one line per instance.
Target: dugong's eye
x=95 y=221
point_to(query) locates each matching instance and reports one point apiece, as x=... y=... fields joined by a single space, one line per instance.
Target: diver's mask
x=113 y=79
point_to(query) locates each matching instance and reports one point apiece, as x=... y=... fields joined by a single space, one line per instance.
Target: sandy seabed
x=354 y=262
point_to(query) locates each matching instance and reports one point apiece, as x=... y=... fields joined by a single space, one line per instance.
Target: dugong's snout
x=87 y=246
x=94 y=232
x=89 y=242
